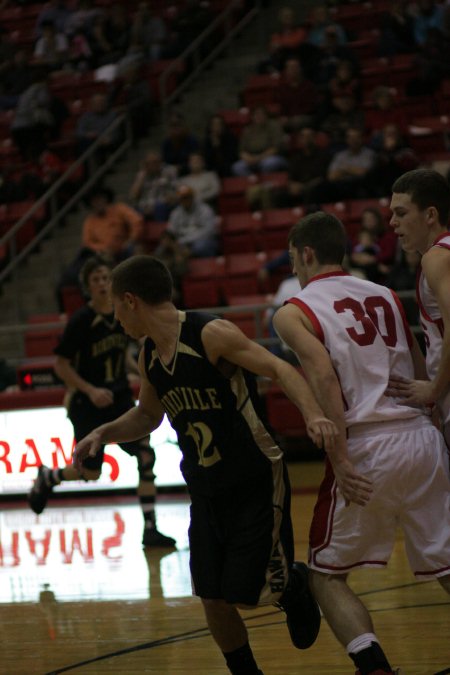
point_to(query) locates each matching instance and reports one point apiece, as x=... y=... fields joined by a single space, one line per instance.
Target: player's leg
x=350 y=621
x=146 y=491
x=230 y=634
x=84 y=418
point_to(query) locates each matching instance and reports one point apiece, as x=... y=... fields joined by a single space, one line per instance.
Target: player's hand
x=413 y=392
x=323 y=432
x=87 y=447
x=101 y=397
x=353 y=486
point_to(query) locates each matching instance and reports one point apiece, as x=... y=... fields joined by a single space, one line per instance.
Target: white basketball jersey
x=432 y=324
x=364 y=329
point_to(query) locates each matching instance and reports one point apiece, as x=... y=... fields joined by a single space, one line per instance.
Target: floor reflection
x=91 y=552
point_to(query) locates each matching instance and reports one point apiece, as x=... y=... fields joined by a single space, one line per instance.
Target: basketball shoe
x=155 y=538
x=302 y=611
x=41 y=490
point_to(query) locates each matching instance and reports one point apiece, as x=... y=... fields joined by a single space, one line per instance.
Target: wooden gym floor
x=78 y=594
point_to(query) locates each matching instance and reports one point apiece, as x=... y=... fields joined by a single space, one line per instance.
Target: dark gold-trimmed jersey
x=220 y=433
x=96 y=346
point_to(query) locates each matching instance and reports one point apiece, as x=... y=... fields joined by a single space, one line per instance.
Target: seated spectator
x=111 y=228
x=150 y=30
x=192 y=18
x=41 y=173
x=373 y=254
x=297 y=96
x=206 y=184
x=178 y=144
x=260 y=145
x=403 y=276
x=321 y=22
x=15 y=80
x=427 y=14
x=432 y=63
x=52 y=48
x=153 y=192
x=329 y=55
x=80 y=20
x=220 y=147
x=103 y=51
x=93 y=123
x=386 y=110
x=118 y=28
x=194 y=224
x=285 y=41
x=344 y=114
x=397 y=30
x=131 y=91
x=175 y=257
x=307 y=168
x=393 y=158
x=344 y=82
x=55 y=11
x=38 y=116
x=348 y=171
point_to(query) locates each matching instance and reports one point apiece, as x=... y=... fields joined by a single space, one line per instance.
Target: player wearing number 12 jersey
x=351 y=337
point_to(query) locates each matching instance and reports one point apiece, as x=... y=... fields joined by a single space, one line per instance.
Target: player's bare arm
x=223 y=340
x=295 y=329
x=436 y=268
x=136 y=423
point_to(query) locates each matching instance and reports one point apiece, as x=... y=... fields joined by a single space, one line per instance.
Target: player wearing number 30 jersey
x=352 y=338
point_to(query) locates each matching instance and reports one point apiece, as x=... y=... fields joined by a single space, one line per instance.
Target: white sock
x=361 y=642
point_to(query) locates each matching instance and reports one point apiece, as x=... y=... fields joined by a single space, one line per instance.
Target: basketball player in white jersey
x=420 y=207
x=351 y=336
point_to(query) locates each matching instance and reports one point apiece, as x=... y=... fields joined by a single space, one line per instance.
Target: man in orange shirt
x=111 y=228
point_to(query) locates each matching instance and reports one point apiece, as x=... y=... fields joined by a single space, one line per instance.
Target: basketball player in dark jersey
x=91 y=361
x=197 y=369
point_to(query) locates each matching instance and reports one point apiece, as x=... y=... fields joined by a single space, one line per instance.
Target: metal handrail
x=223 y=18
x=10 y=236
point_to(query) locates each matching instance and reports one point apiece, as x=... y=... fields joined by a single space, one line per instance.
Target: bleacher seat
x=241 y=274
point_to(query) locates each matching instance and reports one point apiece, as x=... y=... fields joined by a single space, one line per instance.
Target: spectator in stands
x=403 y=276
x=175 y=256
x=102 y=49
x=55 y=11
x=37 y=116
x=432 y=63
x=178 y=144
x=111 y=228
x=321 y=22
x=397 y=30
x=205 y=183
x=52 y=48
x=345 y=81
x=194 y=224
x=285 y=41
x=118 y=27
x=260 y=145
x=93 y=123
x=41 y=173
x=273 y=266
x=131 y=91
x=307 y=168
x=220 y=147
x=150 y=30
x=344 y=114
x=393 y=158
x=7 y=51
x=329 y=55
x=192 y=18
x=385 y=110
x=297 y=96
x=153 y=192
x=373 y=254
x=15 y=80
x=80 y=20
x=348 y=170
x=428 y=14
